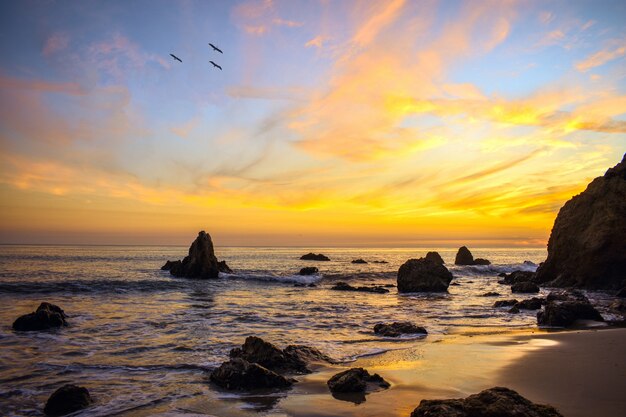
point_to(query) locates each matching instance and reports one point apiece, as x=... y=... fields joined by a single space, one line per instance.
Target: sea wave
x=290 y=279
x=91 y=286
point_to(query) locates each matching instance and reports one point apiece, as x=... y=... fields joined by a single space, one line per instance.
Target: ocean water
x=143 y=342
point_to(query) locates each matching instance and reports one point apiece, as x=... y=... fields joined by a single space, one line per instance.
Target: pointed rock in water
x=200 y=263
x=422 y=275
x=356 y=380
x=464 y=257
x=587 y=246
x=309 y=270
x=493 y=402
x=359 y=261
x=314 y=257
x=239 y=374
x=67 y=399
x=396 y=329
x=435 y=258
x=46 y=316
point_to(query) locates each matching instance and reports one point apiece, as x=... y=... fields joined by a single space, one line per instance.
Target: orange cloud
x=600 y=58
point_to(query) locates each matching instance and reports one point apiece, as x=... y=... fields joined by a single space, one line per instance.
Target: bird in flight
x=215 y=48
x=215 y=65
x=176 y=58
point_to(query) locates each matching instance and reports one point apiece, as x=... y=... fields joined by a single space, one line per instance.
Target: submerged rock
x=396 y=329
x=434 y=257
x=562 y=310
x=491 y=294
x=524 y=287
x=47 y=316
x=421 y=275
x=586 y=248
x=222 y=267
x=464 y=257
x=239 y=374
x=359 y=261
x=200 y=263
x=356 y=380
x=343 y=286
x=505 y=303
x=308 y=270
x=493 y=402
x=67 y=399
x=314 y=257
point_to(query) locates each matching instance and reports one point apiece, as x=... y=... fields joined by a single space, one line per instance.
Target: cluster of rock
x=562 y=309
x=314 y=257
x=200 y=262
x=343 y=286
x=497 y=401
x=397 y=329
x=424 y=275
x=47 y=316
x=465 y=257
x=533 y=303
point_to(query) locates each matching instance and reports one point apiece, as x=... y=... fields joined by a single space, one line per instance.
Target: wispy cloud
x=601 y=57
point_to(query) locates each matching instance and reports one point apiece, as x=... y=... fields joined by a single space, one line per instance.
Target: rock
x=170 y=264
x=434 y=257
x=586 y=247
x=309 y=270
x=380 y=262
x=312 y=285
x=481 y=261
x=313 y=257
x=491 y=294
x=342 y=286
x=563 y=309
x=524 y=287
x=505 y=303
x=420 y=275
x=291 y=360
x=396 y=329
x=455 y=284
x=359 y=261
x=530 y=263
x=239 y=374
x=67 y=399
x=201 y=261
x=530 y=304
x=514 y=309
x=493 y=402
x=464 y=257
x=355 y=380
x=47 y=316
x=222 y=267
x=516 y=277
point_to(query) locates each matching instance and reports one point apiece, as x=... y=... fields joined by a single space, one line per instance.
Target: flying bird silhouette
x=215 y=48
x=176 y=58
x=215 y=65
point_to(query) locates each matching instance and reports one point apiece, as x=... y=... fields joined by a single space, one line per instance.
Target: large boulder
x=587 y=246
x=563 y=309
x=200 y=263
x=356 y=380
x=47 y=316
x=314 y=257
x=239 y=374
x=493 y=402
x=464 y=257
x=67 y=399
x=434 y=257
x=421 y=275
x=396 y=329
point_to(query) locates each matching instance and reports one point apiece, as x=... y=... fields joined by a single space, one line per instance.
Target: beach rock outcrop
x=465 y=257
x=200 y=263
x=422 y=275
x=343 y=286
x=314 y=257
x=359 y=261
x=356 y=380
x=308 y=270
x=396 y=329
x=525 y=287
x=434 y=257
x=493 y=402
x=47 y=316
x=67 y=399
x=239 y=374
x=586 y=248
x=222 y=267
x=294 y=359
x=563 y=309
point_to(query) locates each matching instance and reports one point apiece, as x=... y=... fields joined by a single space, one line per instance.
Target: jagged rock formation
x=239 y=374
x=587 y=246
x=465 y=257
x=200 y=263
x=564 y=308
x=422 y=275
x=47 y=316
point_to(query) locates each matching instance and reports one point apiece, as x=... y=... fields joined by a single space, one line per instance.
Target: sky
x=332 y=123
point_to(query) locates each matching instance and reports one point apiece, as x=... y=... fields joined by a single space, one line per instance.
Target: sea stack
x=200 y=263
x=423 y=275
x=587 y=246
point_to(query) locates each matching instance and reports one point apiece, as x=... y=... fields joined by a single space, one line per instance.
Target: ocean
x=143 y=342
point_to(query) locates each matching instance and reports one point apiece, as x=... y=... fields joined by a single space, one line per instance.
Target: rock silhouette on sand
x=67 y=399
x=587 y=245
x=422 y=275
x=397 y=329
x=565 y=308
x=493 y=402
x=308 y=270
x=465 y=257
x=356 y=380
x=434 y=257
x=200 y=263
x=314 y=257
x=239 y=374
x=47 y=316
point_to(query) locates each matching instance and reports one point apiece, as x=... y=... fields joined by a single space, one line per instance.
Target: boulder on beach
x=493 y=402
x=525 y=287
x=396 y=329
x=314 y=257
x=239 y=374
x=343 y=286
x=308 y=270
x=47 y=316
x=359 y=261
x=434 y=257
x=356 y=380
x=586 y=247
x=294 y=359
x=67 y=399
x=563 y=309
x=200 y=263
x=422 y=275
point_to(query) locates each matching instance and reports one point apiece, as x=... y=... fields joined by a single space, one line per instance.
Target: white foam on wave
x=288 y=279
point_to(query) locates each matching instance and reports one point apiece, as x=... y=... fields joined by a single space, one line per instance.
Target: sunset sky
x=387 y=123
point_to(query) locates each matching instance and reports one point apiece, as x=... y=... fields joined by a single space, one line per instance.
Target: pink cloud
x=55 y=43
